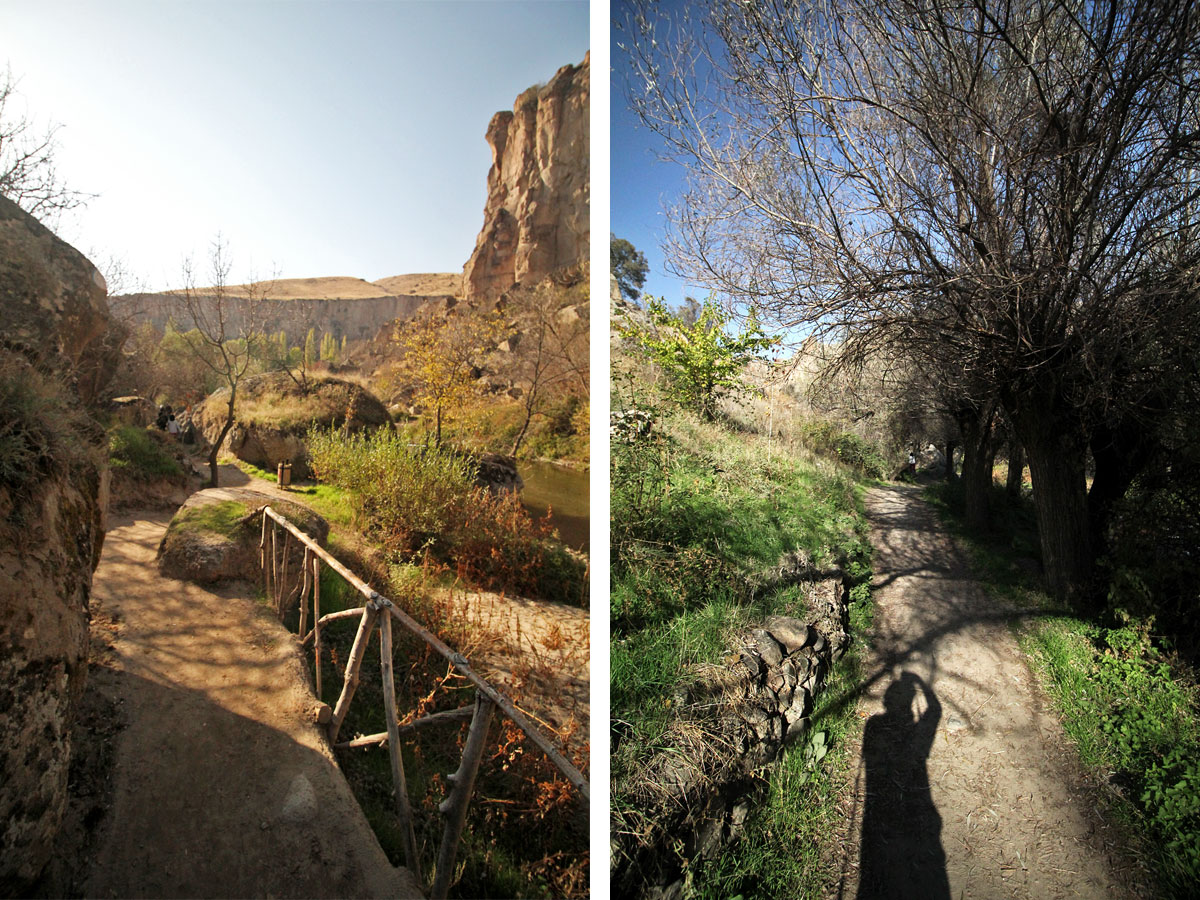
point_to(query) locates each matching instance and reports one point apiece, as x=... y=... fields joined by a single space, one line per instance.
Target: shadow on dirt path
x=965 y=786
x=222 y=785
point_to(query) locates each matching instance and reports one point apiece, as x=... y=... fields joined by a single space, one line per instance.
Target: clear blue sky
x=320 y=138
x=642 y=186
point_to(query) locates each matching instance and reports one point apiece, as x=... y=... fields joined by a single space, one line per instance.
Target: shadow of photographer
x=902 y=853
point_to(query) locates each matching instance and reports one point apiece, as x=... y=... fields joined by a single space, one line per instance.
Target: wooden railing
x=379 y=610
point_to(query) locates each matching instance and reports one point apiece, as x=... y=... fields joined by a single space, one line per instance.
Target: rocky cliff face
x=56 y=350
x=536 y=216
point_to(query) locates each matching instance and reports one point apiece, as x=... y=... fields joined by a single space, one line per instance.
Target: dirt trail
x=965 y=787
x=223 y=785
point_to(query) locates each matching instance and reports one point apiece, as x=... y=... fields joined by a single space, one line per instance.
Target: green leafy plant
x=702 y=361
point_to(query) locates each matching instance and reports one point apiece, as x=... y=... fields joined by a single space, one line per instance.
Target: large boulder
x=215 y=535
x=57 y=347
x=273 y=415
x=53 y=306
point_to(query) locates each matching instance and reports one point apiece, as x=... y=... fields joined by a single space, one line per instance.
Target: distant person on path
x=912 y=463
x=901 y=852
x=172 y=427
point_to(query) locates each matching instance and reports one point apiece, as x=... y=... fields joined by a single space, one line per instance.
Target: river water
x=565 y=492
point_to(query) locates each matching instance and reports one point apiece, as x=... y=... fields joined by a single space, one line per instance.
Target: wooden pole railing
x=380 y=610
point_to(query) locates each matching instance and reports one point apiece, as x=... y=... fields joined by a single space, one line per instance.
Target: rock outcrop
x=536 y=215
x=52 y=304
x=215 y=535
x=56 y=350
x=273 y=416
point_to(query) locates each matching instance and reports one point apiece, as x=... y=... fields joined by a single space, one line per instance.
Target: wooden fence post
x=353 y=664
x=306 y=565
x=262 y=554
x=454 y=807
x=399 y=783
x=316 y=576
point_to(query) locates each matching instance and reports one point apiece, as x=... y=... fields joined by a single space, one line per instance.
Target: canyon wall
x=357 y=319
x=536 y=215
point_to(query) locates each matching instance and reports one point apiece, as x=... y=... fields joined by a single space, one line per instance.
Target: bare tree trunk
x=216 y=447
x=975 y=423
x=949 y=451
x=1057 y=467
x=1016 y=469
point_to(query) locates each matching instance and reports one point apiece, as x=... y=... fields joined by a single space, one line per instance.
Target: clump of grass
x=225 y=518
x=697 y=512
x=43 y=431
x=139 y=453
x=846 y=447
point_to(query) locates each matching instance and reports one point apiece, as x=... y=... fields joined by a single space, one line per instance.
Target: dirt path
x=965 y=787
x=222 y=784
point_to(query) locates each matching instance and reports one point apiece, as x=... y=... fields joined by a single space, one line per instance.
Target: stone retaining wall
x=694 y=799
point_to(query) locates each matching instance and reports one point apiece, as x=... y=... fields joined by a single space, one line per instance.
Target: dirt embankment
x=965 y=785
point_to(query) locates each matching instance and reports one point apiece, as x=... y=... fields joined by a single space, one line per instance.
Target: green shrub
x=848 y=448
x=139 y=453
x=422 y=501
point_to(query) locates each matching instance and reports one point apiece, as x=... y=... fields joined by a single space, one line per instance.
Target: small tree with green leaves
x=628 y=266
x=702 y=361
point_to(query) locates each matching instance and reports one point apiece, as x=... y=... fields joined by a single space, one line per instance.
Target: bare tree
x=552 y=356
x=28 y=175
x=228 y=337
x=997 y=186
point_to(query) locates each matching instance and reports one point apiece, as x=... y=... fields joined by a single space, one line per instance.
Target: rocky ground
x=965 y=785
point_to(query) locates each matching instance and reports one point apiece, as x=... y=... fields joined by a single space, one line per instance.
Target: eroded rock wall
x=535 y=221
x=56 y=352
x=356 y=319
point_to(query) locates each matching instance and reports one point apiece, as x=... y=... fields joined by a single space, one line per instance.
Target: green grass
x=697 y=512
x=140 y=455
x=331 y=502
x=1130 y=707
x=222 y=518
x=786 y=849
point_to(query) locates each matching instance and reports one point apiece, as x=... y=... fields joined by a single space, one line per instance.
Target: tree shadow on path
x=901 y=850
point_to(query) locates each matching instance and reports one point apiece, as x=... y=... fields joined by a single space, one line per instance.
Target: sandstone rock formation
x=274 y=414
x=56 y=347
x=196 y=549
x=54 y=309
x=536 y=215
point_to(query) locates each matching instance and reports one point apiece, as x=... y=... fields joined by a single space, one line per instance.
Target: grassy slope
x=694 y=515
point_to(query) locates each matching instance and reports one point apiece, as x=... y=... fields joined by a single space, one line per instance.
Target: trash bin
x=284 y=473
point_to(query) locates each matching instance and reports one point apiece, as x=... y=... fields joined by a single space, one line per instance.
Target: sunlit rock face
x=535 y=221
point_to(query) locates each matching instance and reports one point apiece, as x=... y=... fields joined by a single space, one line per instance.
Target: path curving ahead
x=223 y=786
x=964 y=786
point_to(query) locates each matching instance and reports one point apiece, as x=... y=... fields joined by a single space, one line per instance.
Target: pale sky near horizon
x=319 y=138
